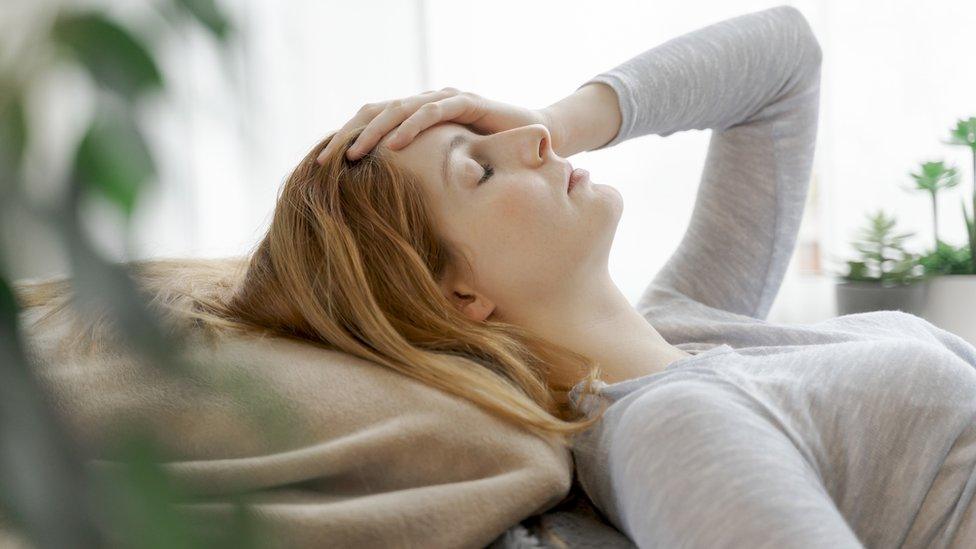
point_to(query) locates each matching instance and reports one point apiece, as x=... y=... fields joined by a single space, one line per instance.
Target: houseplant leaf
x=964 y=133
x=206 y=12
x=13 y=140
x=113 y=159
x=114 y=57
x=881 y=252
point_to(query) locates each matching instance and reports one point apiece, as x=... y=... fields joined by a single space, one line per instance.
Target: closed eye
x=489 y=171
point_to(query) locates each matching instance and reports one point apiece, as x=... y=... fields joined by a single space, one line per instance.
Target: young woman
x=448 y=226
x=723 y=430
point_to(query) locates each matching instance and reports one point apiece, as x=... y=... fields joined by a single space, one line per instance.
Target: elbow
x=812 y=59
x=808 y=43
x=807 y=46
x=813 y=53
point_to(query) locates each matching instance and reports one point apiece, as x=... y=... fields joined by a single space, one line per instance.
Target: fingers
x=380 y=118
x=366 y=113
x=427 y=115
x=391 y=117
x=379 y=126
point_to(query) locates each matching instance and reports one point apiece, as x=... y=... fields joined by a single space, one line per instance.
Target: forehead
x=436 y=135
x=425 y=153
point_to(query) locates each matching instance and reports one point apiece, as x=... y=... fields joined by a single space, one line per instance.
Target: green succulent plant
x=964 y=134
x=883 y=256
x=932 y=178
x=945 y=259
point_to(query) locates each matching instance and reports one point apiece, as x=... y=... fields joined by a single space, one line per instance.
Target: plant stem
x=972 y=233
x=935 y=220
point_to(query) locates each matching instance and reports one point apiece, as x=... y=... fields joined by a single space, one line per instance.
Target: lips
x=579 y=175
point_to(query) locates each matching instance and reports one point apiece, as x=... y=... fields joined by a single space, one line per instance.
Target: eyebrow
x=459 y=139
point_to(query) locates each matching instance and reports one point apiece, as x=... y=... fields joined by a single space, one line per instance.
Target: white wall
x=896 y=76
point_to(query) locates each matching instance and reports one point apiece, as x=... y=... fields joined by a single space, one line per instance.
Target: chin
x=614 y=201
x=605 y=223
x=616 y=210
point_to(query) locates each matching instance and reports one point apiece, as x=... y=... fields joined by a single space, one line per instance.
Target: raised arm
x=754 y=80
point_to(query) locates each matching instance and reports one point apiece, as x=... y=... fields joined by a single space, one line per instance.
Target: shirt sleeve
x=754 y=80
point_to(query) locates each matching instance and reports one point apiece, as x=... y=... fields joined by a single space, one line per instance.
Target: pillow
x=367 y=458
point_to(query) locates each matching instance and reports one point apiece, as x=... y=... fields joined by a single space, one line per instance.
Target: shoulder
x=896 y=324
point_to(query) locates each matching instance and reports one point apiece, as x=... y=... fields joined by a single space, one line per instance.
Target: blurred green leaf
x=13 y=140
x=946 y=259
x=971 y=226
x=144 y=501
x=858 y=270
x=964 y=133
x=206 y=12
x=242 y=531
x=8 y=309
x=113 y=159
x=142 y=497
x=970 y=221
x=103 y=286
x=115 y=57
x=245 y=531
x=935 y=176
x=42 y=481
x=45 y=489
x=883 y=257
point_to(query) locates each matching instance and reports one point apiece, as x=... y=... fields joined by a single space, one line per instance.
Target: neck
x=600 y=323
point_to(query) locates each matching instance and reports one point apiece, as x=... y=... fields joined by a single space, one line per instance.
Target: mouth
x=576 y=177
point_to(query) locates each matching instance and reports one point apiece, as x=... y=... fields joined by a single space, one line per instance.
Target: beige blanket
x=366 y=458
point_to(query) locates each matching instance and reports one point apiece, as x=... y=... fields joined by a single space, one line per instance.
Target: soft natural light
x=896 y=76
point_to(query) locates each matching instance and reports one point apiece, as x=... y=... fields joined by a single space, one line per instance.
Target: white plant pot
x=951 y=305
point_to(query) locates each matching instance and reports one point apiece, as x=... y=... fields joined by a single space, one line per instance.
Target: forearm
x=722 y=75
x=713 y=77
x=584 y=120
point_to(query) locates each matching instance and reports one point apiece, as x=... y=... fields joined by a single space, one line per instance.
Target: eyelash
x=489 y=171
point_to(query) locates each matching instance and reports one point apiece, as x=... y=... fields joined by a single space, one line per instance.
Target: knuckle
x=368 y=107
x=433 y=108
x=396 y=104
x=450 y=89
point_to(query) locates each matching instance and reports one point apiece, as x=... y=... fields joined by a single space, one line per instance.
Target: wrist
x=584 y=120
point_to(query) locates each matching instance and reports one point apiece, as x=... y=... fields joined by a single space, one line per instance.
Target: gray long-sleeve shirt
x=854 y=430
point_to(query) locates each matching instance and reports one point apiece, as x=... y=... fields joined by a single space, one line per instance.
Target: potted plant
x=951 y=300
x=886 y=276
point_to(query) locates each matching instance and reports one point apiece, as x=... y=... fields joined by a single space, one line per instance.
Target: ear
x=474 y=306
x=472 y=303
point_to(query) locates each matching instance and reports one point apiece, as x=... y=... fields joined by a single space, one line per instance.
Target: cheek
x=526 y=210
x=520 y=221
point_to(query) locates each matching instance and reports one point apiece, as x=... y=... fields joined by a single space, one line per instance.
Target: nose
x=533 y=143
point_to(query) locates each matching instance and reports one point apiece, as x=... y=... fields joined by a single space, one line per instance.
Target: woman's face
x=529 y=241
